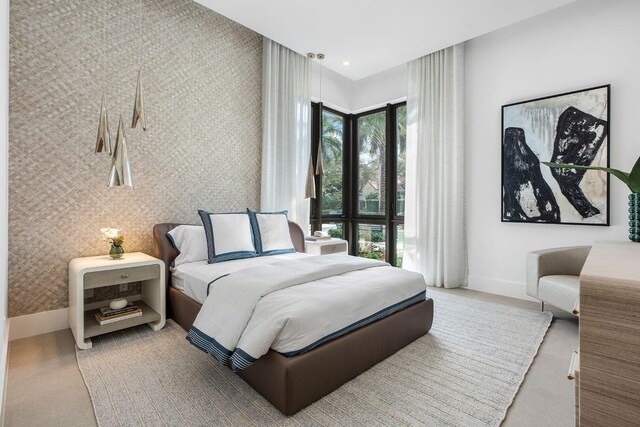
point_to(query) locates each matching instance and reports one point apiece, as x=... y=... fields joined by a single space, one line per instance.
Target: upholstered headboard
x=164 y=250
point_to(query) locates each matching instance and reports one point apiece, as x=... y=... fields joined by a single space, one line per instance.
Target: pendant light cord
x=318 y=168
x=140 y=34
x=319 y=63
x=104 y=42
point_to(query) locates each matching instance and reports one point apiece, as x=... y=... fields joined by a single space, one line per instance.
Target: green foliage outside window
x=332 y=149
x=336 y=233
x=372 y=168
x=401 y=165
x=373 y=255
x=371 y=242
x=377 y=236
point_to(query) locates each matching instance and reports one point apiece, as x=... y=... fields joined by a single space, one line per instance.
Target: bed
x=291 y=383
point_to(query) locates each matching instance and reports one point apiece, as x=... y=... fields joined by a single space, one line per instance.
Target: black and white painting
x=567 y=128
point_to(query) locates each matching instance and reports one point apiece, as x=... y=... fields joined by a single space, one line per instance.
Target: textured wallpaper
x=202 y=84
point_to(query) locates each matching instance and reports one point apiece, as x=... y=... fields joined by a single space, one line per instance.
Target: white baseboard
x=499 y=287
x=50 y=321
x=38 y=323
x=4 y=368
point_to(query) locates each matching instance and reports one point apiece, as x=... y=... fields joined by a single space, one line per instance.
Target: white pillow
x=271 y=233
x=228 y=236
x=191 y=243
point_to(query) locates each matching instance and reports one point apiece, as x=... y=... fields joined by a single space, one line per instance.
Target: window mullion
x=390 y=183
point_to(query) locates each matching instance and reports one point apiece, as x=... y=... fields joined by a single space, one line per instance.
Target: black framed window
x=333 y=148
x=360 y=196
x=330 y=210
x=400 y=181
x=401 y=158
x=371 y=129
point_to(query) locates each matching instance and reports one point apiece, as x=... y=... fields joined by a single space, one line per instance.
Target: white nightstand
x=100 y=271
x=326 y=247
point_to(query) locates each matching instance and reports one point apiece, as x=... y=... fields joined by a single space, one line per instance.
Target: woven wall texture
x=201 y=75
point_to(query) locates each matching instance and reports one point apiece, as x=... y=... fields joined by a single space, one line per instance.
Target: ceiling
x=374 y=35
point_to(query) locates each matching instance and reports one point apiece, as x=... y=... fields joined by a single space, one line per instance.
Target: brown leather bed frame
x=291 y=383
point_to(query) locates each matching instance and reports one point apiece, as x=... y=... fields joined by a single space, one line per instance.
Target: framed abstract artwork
x=571 y=127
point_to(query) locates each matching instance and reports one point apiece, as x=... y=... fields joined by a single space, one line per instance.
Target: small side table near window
x=101 y=271
x=326 y=247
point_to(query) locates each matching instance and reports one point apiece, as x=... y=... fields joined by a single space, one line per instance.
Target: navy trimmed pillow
x=229 y=236
x=190 y=241
x=271 y=232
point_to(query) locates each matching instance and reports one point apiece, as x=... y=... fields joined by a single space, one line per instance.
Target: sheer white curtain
x=435 y=235
x=286 y=131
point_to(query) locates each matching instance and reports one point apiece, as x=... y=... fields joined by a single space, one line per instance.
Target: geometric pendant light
x=120 y=174
x=103 y=142
x=310 y=185
x=319 y=161
x=138 y=106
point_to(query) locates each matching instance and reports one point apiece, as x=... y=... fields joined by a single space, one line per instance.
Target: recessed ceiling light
x=346 y=63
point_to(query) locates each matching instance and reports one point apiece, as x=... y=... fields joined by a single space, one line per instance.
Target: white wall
x=4 y=143
x=336 y=88
x=377 y=90
x=584 y=44
x=349 y=96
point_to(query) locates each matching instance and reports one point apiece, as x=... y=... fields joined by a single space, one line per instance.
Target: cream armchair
x=553 y=276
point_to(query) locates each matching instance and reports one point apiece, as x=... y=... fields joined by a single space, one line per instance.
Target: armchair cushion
x=561 y=291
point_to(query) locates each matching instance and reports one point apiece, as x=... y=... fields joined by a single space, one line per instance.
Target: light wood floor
x=45 y=387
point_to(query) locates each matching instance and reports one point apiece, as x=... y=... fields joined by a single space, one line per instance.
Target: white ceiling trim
x=374 y=35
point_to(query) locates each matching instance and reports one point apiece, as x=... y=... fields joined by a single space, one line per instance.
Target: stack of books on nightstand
x=107 y=315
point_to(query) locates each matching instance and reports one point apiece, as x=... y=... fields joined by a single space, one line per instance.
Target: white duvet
x=193 y=278
x=294 y=305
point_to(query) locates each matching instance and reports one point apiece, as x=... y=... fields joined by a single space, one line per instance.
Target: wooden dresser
x=608 y=388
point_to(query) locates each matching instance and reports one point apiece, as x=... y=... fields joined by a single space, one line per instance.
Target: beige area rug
x=465 y=372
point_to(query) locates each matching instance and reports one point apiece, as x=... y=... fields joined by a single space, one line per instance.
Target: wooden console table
x=609 y=379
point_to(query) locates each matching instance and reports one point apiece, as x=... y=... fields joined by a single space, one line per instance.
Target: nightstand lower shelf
x=92 y=328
